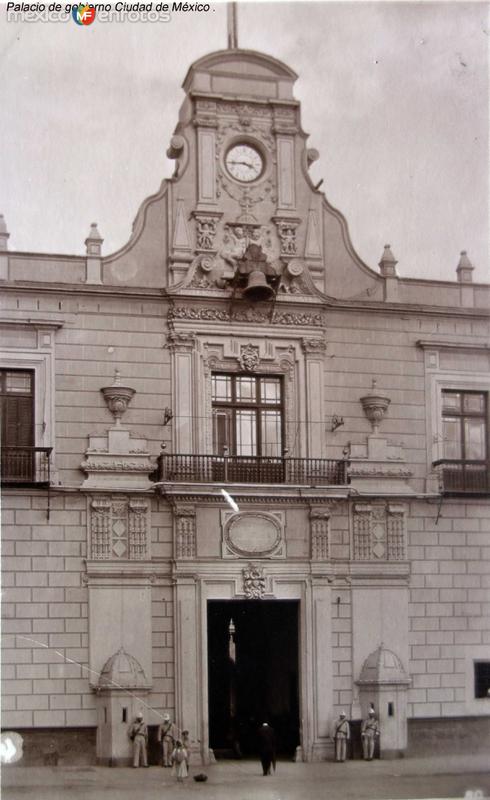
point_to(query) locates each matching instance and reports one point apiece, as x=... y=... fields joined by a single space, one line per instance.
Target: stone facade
x=132 y=543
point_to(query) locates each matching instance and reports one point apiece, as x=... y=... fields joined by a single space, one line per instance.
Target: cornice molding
x=438 y=344
x=211 y=493
x=30 y=322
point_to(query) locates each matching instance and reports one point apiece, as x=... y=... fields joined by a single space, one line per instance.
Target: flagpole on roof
x=232 y=26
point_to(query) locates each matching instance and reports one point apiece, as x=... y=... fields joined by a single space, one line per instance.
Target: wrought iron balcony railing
x=251 y=469
x=464 y=477
x=26 y=466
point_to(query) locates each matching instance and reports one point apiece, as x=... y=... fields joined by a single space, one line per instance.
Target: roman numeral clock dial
x=244 y=163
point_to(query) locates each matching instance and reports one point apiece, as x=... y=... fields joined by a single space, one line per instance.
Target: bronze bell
x=257 y=287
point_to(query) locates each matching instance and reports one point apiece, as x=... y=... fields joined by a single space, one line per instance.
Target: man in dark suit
x=267 y=748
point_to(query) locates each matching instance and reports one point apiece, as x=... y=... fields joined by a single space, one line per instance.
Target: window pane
x=451 y=401
x=245 y=389
x=474 y=403
x=271 y=433
x=474 y=438
x=452 y=438
x=18 y=382
x=270 y=390
x=221 y=388
x=221 y=430
x=246 y=444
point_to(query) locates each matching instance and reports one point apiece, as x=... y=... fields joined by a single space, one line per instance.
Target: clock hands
x=242 y=163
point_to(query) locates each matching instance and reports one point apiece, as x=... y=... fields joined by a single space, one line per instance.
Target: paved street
x=438 y=777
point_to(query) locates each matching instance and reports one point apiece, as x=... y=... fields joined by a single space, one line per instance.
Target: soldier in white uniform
x=138 y=733
x=166 y=736
x=369 y=732
x=341 y=736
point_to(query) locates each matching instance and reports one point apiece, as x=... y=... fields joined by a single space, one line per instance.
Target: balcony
x=26 y=466
x=464 y=477
x=251 y=469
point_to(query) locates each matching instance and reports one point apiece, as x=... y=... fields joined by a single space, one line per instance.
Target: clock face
x=244 y=163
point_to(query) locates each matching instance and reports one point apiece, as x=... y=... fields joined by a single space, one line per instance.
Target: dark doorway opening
x=253 y=659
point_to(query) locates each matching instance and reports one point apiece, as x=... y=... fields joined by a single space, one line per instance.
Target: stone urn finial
x=117 y=397
x=374 y=406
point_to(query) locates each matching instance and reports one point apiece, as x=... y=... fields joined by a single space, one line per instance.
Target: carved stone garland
x=252 y=315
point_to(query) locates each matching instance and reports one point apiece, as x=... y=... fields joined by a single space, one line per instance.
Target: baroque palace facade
x=245 y=475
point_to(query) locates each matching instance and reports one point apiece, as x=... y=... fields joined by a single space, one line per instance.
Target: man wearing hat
x=341 y=737
x=267 y=748
x=167 y=738
x=138 y=733
x=369 y=732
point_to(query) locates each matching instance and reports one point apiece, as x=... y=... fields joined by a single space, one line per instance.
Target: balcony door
x=248 y=427
x=17 y=424
x=247 y=415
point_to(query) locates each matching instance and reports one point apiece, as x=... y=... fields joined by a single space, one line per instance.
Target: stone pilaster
x=185 y=532
x=182 y=346
x=314 y=356
x=319 y=534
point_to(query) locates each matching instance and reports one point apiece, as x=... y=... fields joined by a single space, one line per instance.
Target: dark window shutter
x=18 y=422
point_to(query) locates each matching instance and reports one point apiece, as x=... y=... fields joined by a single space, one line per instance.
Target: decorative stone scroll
x=253 y=582
x=181 y=340
x=119 y=528
x=319 y=534
x=313 y=347
x=185 y=532
x=379 y=532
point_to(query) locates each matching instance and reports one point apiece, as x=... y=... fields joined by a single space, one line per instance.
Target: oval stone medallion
x=253 y=534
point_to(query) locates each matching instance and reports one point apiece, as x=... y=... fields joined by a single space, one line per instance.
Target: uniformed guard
x=138 y=733
x=166 y=737
x=369 y=732
x=341 y=737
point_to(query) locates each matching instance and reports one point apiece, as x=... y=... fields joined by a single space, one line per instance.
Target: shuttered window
x=17 y=408
x=17 y=424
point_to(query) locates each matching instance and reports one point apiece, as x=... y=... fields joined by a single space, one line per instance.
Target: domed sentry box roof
x=383 y=666
x=122 y=671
